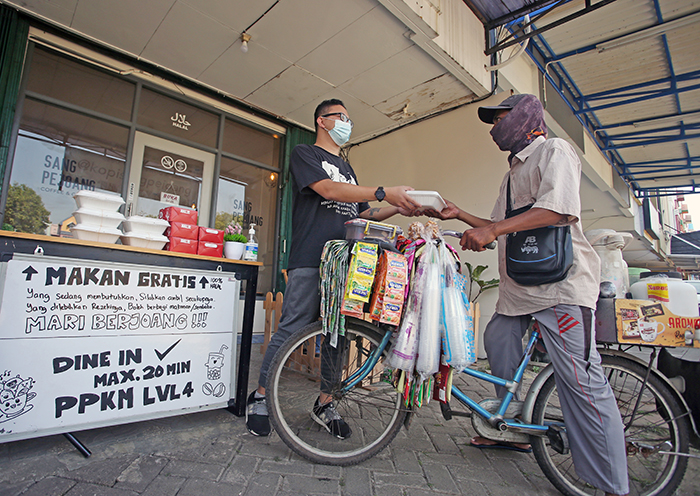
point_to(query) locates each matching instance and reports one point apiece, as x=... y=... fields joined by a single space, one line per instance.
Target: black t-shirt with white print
x=316 y=220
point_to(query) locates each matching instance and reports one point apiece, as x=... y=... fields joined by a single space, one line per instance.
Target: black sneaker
x=256 y=419
x=328 y=417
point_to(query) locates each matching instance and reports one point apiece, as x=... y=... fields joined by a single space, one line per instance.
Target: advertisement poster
x=650 y=322
x=86 y=344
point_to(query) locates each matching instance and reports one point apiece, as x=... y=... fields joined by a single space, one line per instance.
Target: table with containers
x=96 y=333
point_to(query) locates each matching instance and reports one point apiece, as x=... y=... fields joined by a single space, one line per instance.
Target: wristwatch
x=380 y=194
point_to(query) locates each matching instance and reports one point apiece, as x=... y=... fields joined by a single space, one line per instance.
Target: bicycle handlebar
x=458 y=235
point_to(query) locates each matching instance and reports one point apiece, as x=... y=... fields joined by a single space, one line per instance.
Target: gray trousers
x=593 y=421
x=301 y=307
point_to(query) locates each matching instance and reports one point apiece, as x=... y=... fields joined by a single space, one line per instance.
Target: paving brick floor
x=211 y=453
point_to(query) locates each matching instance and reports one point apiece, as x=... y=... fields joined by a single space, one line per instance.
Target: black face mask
x=520 y=127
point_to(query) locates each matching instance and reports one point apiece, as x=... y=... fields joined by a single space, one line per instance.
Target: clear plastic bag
x=458 y=335
x=428 y=360
x=403 y=354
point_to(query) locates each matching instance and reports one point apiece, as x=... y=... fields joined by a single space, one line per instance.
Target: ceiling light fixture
x=245 y=38
x=643 y=34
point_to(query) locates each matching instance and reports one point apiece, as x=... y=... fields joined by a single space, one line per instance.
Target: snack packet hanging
x=361 y=272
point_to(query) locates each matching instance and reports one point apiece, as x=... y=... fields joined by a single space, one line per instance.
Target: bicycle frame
x=497 y=420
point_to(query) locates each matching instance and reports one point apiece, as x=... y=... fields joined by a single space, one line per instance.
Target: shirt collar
x=523 y=154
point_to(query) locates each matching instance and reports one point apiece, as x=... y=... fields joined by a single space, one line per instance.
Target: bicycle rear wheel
x=659 y=419
x=373 y=408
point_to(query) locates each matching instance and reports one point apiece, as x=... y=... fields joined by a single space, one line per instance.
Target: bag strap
x=508 y=207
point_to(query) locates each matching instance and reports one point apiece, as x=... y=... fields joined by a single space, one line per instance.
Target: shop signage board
x=87 y=344
x=652 y=323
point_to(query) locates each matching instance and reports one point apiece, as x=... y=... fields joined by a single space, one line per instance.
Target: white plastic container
x=152 y=241
x=669 y=289
x=608 y=244
x=145 y=226
x=100 y=234
x=430 y=199
x=98 y=218
x=98 y=201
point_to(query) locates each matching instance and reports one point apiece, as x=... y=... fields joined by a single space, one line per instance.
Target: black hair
x=323 y=108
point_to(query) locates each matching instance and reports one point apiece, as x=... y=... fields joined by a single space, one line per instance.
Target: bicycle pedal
x=558 y=439
x=446 y=411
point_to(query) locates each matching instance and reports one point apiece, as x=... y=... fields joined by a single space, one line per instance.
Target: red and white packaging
x=182 y=230
x=182 y=245
x=211 y=234
x=178 y=214
x=210 y=249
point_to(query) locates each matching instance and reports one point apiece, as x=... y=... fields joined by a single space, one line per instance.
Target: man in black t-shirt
x=325 y=196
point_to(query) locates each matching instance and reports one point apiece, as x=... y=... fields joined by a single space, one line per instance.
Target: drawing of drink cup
x=649 y=331
x=215 y=363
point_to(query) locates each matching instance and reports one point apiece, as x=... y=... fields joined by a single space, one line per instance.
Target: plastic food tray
x=144 y=226
x=430 y=199
x=100 y=234
x=362 y=228
x=154 y=242
x=98 y=201
x=98 y=218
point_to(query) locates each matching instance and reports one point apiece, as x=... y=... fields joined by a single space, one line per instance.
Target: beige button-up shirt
x=547 y=174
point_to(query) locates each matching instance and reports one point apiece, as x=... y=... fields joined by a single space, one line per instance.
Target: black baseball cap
x=486 y=114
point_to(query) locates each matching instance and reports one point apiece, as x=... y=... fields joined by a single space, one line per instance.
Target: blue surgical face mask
x=340 y=133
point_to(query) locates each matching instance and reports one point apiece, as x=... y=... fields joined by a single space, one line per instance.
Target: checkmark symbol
x=164 y=354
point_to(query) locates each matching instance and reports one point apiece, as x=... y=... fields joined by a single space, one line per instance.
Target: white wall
x=453 y=154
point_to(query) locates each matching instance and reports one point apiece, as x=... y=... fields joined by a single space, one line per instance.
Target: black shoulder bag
x=537 y=256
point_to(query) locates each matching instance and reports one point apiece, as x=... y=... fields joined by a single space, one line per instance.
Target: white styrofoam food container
x=152 y=241
x=98 y=218
x=146 y=226
x=430 y=199
x=98 y=201
x=101 y=234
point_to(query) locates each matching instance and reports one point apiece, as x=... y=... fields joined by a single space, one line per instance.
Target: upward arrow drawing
x=30 y=271
x=203 y=281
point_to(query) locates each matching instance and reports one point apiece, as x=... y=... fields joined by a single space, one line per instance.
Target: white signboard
x=86 y=344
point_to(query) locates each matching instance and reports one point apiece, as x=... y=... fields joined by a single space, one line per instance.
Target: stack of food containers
x=97 y=217
x=144 y=232
x=183 y=231
x=210 y=242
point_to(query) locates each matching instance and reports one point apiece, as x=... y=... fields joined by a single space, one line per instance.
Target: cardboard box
x=182 y=230
x=210 y=234
x=178 y=214
x=182 y=245
x=210 y=249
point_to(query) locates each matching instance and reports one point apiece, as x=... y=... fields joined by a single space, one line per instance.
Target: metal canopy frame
x=680 y=174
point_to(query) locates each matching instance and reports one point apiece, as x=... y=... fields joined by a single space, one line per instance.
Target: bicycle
x=656 y=421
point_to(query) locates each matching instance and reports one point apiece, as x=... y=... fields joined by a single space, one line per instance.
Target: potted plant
x=234 y=241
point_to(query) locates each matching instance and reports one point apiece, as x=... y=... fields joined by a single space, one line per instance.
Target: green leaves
x=474 y=274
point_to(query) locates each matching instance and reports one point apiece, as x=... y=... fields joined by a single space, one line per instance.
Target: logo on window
x=168 y=163
x=180 y=120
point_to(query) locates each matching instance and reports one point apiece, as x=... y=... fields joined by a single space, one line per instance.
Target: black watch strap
x=380 y=194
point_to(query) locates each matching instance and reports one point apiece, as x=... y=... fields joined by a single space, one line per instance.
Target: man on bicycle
x=546 y=173
x=325 y=196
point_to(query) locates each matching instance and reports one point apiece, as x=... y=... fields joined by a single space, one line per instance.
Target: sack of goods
x=419 y=291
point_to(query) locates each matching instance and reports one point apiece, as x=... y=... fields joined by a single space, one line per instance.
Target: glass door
x=164 y=173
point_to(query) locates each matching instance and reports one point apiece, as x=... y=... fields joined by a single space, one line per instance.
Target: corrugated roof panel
x=683 y=44
x=613 y=20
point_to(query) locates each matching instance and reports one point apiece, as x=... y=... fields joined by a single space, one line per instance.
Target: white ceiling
x=301 y=51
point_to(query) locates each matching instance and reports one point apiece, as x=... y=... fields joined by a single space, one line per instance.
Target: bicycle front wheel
x=654 y=422
x=373 y=409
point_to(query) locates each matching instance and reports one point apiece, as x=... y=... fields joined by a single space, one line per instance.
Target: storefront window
x=250 y=143
x=178 y=119
x=59 y=153
x=69 y=81
x=248 y=195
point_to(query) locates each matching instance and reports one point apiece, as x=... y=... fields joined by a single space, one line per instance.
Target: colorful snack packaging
x=361 y=272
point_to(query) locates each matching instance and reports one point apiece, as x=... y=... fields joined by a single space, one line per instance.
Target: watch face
x=379 y=194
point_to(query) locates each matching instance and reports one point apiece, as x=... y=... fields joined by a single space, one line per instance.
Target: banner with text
x=86 y=344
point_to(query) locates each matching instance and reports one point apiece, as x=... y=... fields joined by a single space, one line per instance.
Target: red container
x=178 y=214
x=210 y=234
x=182 y=230
x=182 y=245
x=210 y=249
